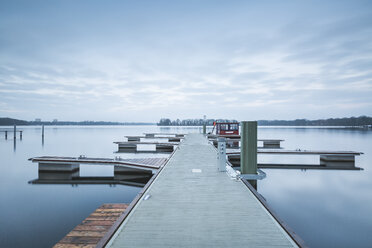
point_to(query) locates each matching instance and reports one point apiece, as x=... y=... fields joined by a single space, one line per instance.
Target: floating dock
x=190 y=204
x=152 y=135
x=94 y=228
x=132 y=147
x=138 y=138
x=328 y=160
x=53 y=163
x=234 y=139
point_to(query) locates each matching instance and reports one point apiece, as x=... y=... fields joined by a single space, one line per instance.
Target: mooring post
x=205 y=125
x=20 y=134
x=248 y=153
x=42 y=131
x=15 y=131
x=221 y=157
x=6 y=135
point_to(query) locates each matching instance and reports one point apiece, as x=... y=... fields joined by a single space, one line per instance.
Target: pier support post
x=164 y=148
x=174 y=139
x=129 y=174
x=248 y=153
x=271 y=144
x=58 y=167
x=338 y=161
x=15 y=131
x=127 y=147
x=221 y=157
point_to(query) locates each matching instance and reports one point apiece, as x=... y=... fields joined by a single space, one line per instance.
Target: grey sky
x=143 y=60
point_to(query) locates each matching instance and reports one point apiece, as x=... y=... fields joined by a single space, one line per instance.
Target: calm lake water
x=325 y=208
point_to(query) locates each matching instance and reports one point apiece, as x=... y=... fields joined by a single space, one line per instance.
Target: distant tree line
x=352 y=121
x=10 y=122
x=190 y=122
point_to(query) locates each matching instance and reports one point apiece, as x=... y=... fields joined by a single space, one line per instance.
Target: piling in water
x=248 y=155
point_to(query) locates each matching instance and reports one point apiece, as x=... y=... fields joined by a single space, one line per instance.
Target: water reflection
x=328 y=208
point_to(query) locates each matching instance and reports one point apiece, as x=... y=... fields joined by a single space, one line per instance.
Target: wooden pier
x=89 y=233
x=190 y=204
x=138 y=138
x=70 y=164
x=132 y=147
x=235 y=139
x=328 y=160
x=152 y=135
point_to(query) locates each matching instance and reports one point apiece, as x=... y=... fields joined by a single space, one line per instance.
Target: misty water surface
x=325 y=208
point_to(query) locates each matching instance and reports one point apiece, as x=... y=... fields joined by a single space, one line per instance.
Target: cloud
x=140 y=62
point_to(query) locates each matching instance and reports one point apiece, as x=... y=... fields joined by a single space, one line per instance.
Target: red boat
x=227 y=128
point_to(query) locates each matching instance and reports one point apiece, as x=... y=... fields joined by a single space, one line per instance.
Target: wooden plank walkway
x=191 y=204
x=92 y=229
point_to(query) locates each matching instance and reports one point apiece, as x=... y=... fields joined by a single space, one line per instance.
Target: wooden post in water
x=20 y=135
x=15 y=131
x=6 y=135
x=204 y=129
x=248 y=153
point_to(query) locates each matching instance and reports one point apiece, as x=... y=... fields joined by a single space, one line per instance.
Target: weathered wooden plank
x=102 y=218
x=113 y=206
x=74 y=246
x=79 y=240
x=75 y=233
x=105 y=214
x=93 y=228
x=98 y=222
x=90 y=228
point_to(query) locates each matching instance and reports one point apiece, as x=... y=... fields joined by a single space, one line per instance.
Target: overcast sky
x=143 y=60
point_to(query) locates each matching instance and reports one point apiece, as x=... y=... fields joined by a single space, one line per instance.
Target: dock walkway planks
x=191 y=204
x=92 y=229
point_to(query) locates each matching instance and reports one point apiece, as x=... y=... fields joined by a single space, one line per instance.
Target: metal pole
x=221 y=157
x=248 y=153
x=15 y=131
x=205 y=125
